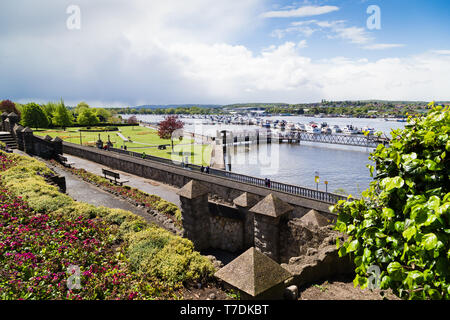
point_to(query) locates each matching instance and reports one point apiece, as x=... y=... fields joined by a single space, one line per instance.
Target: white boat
x=336 y=129
x=326 y=130
x=311 y=128
x=349 y=129
x=300 y=127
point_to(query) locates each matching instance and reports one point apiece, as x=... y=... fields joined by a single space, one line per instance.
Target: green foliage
x=402 y=223
x=80 y=107
x=87 y=117
x=102 y=114
x=61 y=116
x=171 y=258
x=33 y=116
x=153 y=252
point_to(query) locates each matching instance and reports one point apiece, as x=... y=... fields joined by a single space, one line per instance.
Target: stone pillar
x=27 y=137
x=57 y=146
x=195 y=213
x=19 y=136
x=13 y=119
x=243 y=203
x=268 y=213
x=4 y=116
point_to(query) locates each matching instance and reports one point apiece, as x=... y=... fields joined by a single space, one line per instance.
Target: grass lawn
x=198 y=154
x=142 y=140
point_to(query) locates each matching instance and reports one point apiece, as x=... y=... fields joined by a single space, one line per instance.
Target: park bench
x=63 y=160
x=115 y=175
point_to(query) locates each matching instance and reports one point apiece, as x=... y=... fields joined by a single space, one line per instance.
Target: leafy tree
x=9 y=106
x=49 y=109
x=87 y=117
x=33 y=116
x=132 y=120
x=80 y=107
x=61 y=116
x=102 y=114
x=168 y=126
x=402 y=223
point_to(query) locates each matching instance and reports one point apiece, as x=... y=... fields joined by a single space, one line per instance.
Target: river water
x=343 y=167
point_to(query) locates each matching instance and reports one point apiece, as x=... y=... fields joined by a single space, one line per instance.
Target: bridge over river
x=257 y=136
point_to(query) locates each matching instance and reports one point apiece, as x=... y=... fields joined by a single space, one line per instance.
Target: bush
x=402 y=223
x=148 y=248
x=167 y=257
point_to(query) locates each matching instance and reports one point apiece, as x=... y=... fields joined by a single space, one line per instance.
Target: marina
x=342 y=165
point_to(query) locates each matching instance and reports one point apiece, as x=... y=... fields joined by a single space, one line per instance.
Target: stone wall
x=225 y=188
x=226 y=234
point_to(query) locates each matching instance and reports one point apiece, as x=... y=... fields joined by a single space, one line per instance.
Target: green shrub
x=402 y=223
x=151 y=250
x=171 y=258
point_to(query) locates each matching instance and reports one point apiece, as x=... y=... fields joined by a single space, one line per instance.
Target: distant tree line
x=173 y=111
x=57 y=114
x=347 y=108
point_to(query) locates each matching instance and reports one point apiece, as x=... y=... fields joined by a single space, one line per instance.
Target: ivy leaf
x=431 y=165
x=429 y=241
x=353 y=246
x=409 y=233
x=388 y=213
x=392 y=183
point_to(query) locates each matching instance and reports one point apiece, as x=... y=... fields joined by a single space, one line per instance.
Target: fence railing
x=278 y=186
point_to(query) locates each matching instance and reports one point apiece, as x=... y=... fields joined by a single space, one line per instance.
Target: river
x=343 y=167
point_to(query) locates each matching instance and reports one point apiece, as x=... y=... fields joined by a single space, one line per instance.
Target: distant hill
x=167 y=106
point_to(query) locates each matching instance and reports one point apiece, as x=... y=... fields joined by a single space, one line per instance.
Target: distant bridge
x=358 y=140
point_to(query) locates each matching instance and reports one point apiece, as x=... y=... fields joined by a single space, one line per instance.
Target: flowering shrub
x=43 y=231
x=36 y=250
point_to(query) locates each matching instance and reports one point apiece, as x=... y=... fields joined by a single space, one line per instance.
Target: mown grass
x=142 y=139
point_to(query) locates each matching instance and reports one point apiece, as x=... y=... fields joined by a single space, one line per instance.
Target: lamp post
x=326 y=186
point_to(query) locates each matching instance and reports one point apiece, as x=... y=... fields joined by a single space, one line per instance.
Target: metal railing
x=274 y=185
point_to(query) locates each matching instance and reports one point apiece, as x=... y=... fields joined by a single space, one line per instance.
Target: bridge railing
x=278 y=186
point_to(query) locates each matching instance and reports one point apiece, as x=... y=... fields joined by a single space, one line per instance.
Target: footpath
x=83 y=191
x=165 y=191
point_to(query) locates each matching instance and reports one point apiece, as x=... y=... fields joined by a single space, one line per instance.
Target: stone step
x=9 y=140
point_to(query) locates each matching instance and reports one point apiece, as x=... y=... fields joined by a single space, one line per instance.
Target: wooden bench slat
x=113 y=174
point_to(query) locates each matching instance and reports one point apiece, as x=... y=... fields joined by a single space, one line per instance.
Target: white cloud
x=166 y=52
x=336 y=29
x=306 y=11
x=444 y=52
x=383 y=46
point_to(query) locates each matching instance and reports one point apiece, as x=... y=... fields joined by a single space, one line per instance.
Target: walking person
x=207 y=169
x=202 y=169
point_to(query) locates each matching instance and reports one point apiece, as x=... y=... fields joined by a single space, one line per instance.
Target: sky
x=117 y=53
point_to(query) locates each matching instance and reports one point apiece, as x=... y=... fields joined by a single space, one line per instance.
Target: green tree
x=402 y=223
x=61 y=116
x=102 y=114
x=87 y=117
x=80 y=107
x=33 y=116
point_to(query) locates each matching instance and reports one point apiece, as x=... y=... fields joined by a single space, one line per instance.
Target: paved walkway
x=83 y=191
x=150 y=186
